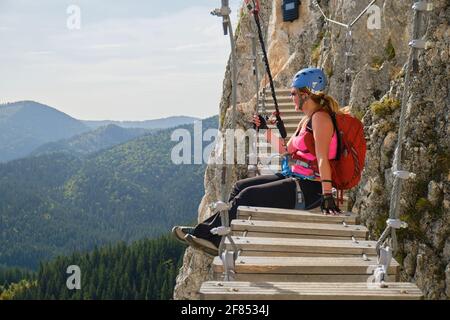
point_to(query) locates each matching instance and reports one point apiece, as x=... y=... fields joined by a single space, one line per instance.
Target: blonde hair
x=326 y=102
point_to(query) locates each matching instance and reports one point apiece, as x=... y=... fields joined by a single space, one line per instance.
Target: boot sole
x=208 y=251
x=175 y=234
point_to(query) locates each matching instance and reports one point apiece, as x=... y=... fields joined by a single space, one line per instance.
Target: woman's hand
x=328 y=206
x=259 y=122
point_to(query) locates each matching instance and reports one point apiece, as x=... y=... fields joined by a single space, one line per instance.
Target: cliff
x=375 y=94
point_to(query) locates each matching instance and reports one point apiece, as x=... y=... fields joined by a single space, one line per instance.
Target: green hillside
x=57 y=203
x=92 y=141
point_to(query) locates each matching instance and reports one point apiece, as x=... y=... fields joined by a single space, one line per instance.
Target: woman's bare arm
x=323 y=132
x=276 y=142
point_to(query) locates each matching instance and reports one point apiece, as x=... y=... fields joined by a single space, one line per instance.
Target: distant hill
x=58 y=203
x=92 y=141
x=163 y=123
x=25 y=125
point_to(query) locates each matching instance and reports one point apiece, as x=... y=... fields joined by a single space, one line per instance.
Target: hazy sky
x=130 y=60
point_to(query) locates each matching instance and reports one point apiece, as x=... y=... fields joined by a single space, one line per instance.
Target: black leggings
x=273 y=191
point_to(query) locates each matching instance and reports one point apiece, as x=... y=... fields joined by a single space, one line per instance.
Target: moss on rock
x=385 y=107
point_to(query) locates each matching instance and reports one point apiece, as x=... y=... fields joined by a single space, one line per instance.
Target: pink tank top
x=298 y=142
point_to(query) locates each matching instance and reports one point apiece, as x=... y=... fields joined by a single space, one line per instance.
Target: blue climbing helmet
x=311 y=78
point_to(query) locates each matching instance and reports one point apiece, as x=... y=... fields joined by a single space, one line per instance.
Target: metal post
x=347 y=47
x=348 y=72
x=254 y=58
x=224 y=12
x=394 y=223
x=253 y=168
x=399 y=174
x=228 y=258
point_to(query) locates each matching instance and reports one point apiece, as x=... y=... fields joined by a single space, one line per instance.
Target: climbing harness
x=287 y=172
x=387 y=244
x=348 y=45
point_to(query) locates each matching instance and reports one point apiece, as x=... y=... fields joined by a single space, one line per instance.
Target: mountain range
x=147 y=124
x=27 y=125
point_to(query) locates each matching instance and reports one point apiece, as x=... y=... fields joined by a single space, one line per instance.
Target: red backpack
x=347 y=167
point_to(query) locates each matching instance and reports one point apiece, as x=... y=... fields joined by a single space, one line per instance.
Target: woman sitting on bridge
x=281 y=190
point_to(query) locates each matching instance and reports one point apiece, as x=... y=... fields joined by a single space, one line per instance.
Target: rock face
x=376 y=92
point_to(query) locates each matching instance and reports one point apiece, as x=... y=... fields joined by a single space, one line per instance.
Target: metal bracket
x=397 y=224
x=404 y=174
x=228 y=257
x=349 y=71
x=420 y=44
x=384 y=260
x=252 y=170
x=423 y=6
x=223 y=12
x=221 y=231
x=228 y=265
x=219 y=206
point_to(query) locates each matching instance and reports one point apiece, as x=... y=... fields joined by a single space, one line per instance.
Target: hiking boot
x=180 y=232
x=202 y=244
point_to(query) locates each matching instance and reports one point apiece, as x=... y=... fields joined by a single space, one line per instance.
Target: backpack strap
x=339 y=138
x=340 y=198
x=309 y=128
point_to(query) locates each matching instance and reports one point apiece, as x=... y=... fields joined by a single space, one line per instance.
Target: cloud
x=107 y=46
x=198 y=47
x=117 y=61
x=39 y=53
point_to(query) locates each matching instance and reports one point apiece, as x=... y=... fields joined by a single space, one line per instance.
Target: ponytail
x=327 y=103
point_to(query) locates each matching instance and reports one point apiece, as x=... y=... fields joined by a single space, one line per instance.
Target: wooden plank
x=285 y=95
x=305 y=265
x=262 y=253
x=304 y=245
x=268 y=159
x=277 y=214
x=289 y=126
x=292 y=118
x=282 y=106
x=283 y=99
x=300 y=228
x=268 y=277
x=278 y=92
x=236 y=290
x=287 y=112
x=288 y=235
x=269 y=171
